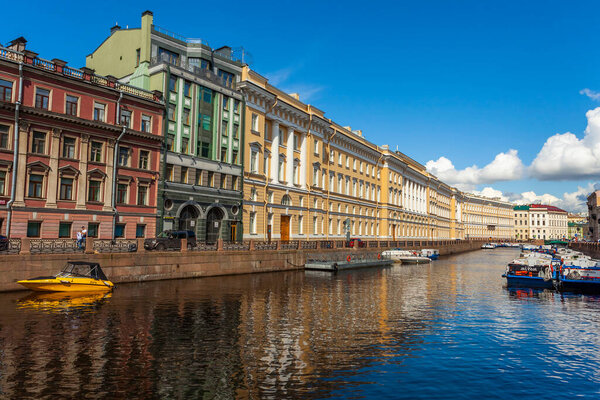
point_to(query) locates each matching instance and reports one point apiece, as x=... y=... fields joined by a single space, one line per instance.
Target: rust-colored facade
x=73 y=128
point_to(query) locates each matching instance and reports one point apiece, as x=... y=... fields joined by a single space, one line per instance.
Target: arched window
x=286 y=200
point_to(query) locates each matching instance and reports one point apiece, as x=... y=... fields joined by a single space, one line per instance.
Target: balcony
x=200 y=72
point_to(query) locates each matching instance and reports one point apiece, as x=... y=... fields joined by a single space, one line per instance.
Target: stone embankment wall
x=148 y=266
x=589 y=248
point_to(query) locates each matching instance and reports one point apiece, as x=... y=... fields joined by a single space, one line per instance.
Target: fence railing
x=93 y=245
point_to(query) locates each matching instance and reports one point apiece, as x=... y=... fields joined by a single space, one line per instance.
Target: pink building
x=76 y=149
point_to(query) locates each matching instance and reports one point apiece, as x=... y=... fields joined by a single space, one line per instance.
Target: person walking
x=79 y=239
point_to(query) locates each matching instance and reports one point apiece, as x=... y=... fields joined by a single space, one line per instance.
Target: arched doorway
x=187 y=218
x=213 y=224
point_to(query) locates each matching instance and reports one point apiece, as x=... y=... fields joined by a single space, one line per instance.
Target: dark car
x=355 y=243
x=3 y=243
x=171 y=240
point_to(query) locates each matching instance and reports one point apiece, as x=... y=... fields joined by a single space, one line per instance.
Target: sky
x=500 y=98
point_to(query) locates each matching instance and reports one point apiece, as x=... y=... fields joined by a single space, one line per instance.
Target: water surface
x=448 y=330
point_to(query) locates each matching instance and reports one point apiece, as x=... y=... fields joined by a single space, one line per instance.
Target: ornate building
x=201 y=184
x=76 y=150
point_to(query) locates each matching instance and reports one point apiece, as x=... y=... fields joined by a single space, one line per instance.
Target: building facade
x=594 y=216
x=201 y=170
x=308 y=177
x=540 y=221
x=76 y=150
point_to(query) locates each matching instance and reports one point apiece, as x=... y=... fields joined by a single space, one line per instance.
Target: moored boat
x=405 y=256
x=534 y=270
x=432 y=254
x=579 y=275
x=76 y=276
x=488 y=246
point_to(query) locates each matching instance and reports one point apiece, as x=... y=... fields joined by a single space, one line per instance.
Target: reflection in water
x=54 y=302
x=445 y=330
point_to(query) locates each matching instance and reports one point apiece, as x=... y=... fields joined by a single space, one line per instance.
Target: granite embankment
x=146 y=266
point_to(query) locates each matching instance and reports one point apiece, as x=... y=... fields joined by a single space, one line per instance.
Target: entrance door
x=233 y=232
x=187 y=218
x=285 y=227
x=213 y=224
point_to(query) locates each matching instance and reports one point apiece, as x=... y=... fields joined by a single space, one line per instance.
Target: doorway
x=233 y=237
x=285 y=228
x=213 y=224
x=187 y=218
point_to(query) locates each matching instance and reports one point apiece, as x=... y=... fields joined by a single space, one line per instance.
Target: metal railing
x=288 y=245
x=115 y=245
x=179 y=37
x=202 y=246
x=194 y=69
x=236 y=246
x=55 y=246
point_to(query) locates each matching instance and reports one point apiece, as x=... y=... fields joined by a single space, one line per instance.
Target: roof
x=521 y=208
x=549 y=208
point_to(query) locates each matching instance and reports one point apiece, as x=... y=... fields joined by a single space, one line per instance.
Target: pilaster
x=53 y=173
x=22 y=167
x=108 y=184
x=275 y=152
x=82 y=179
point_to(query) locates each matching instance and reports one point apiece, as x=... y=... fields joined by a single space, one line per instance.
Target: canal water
x=448 y=330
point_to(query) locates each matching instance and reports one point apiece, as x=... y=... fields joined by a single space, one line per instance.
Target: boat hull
x=67 y=285
x=578 y=286
x=529 y=282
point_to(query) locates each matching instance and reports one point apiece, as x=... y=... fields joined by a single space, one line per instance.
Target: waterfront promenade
x=47 y=257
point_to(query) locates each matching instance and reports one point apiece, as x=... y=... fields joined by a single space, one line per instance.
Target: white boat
x=405 y=256
x=488 y=246
x=432 y=254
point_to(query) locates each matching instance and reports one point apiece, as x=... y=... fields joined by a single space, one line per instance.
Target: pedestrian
x=83 y=235
x=79 y=239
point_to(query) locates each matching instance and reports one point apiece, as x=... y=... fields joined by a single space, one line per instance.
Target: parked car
x=170 y=240
x=355 y=243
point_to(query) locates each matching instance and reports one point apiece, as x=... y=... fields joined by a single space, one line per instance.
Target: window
x=64 y=229
x=184 y=145
x=2 y=182
x=295 y=174
x=236 y=106
x=99 y=112
x=236 y=131
x=206 y=95
x=186 y=116
x=225 y=128
x=146 y=123
x=142 y=199
x=184 y=175
x=168 y=56
x=35 y=186
x=144 y=156
x=315 y=225
x=254 y=123
x=170 y=142
x=223 y=154
x=94 y=190
x=66 y=188
x=316 y=147
x=119 y=230
x=96 y=152
x=253 y=222
x=225 y=103
x=92 y=230
x=4 y=136
x=280 y=171
x=5 y=90
x=68 y=150
x=300 y=225
x=227 y=77
x=126 y=118
x=254 y=161
x=234 y=183
x=198 y=177
x=205 y=150
x=138 y=54
x=42 y=98
x=210 y=178
x=171 y=112
x=33 y=229
x=122 y=193
x=140 y=231
x=206 y=125
x=295 y=142
x=186 y=88
x=169 y=173
x=223 y=183
x=123 y=156
x=71 y=106
x=38 y=144
x=234 y=157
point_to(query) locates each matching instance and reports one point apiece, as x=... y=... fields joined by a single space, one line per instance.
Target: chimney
x=114 y=29
x=147 y=18
x=18 y=44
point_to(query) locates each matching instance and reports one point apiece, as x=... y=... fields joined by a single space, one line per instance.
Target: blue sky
x=464 y=80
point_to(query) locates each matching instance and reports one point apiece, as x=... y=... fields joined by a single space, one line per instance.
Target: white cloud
x=590 y=93
x=505 y=167
x=564 y=156
x=572 y=202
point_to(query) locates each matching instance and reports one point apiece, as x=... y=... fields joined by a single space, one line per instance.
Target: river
x=448 y=330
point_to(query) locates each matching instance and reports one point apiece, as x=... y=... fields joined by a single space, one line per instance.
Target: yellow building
x=307 y=177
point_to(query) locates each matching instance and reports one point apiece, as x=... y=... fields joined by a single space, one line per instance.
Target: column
x=82 y=179
x=289 y=166
x=108 y=182
x=275 y=152
x=21 y=171
x=53 y=173
x=304 y=160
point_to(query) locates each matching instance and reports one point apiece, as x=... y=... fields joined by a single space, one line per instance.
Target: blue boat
x=432 y=254
x=534 y=273
x=582 y=278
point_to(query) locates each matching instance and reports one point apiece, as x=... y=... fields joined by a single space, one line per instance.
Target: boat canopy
x=85 y=269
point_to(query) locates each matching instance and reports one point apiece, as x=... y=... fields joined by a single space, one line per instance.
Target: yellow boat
x=77 y=276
